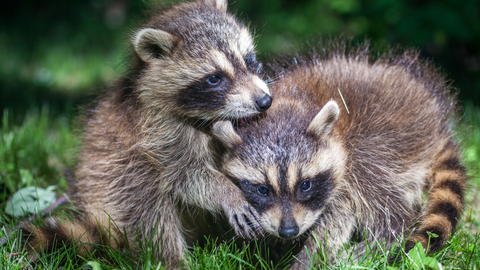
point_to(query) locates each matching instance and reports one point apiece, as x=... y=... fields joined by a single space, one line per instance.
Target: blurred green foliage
x=64 y=52
x=446 y=31
x=34 y=153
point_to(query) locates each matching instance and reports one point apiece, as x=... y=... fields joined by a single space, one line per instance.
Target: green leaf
x=432 y=235
x=417 y=253
x=30 y=200
x=94 y=265
x=431 y=262
x=419 y=259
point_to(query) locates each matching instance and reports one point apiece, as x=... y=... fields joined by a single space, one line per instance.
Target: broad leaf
x=419 y=260
x=30 y=200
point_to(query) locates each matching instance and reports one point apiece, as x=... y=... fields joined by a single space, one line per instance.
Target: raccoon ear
x=219 y=5
x=152 y=43
x=325 y=120
x=223 y=130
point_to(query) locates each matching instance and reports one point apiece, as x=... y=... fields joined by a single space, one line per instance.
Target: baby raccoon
x=147 y=160
x=346 y=152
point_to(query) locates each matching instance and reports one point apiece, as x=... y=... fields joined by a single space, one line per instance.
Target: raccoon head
x=199 y=61
x=288 y=173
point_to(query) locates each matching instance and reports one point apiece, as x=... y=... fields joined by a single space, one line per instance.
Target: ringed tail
x=445 y=201
x=84 y=233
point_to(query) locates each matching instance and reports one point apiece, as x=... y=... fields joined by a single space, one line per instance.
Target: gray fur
x=372 y=169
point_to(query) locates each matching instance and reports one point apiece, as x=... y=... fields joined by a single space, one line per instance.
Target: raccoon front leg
x=240 y=214
x=207 y=188
x=162 y=230
x=445 y=200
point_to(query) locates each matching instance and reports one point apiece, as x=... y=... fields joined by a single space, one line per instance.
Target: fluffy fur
x=310 y=167
x=147 y=167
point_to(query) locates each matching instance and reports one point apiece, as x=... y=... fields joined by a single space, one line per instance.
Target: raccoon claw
x=245 y=223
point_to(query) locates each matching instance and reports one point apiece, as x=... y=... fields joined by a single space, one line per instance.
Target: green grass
x=36 y=151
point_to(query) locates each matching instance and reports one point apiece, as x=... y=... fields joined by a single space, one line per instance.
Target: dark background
x=62 y=53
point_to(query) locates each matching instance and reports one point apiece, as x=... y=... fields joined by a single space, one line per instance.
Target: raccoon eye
x=306 y=186
x=214 y=80
x=263 y=190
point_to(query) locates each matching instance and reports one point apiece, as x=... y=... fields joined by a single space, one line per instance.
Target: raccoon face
x=201 y=61
x=289 y=179
x=290 y=198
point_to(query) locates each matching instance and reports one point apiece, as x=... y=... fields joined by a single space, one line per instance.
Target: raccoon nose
x=288 y=230
x=262 y=104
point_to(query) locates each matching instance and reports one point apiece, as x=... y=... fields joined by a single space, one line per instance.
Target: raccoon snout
x=288 y=230
x=262 y=104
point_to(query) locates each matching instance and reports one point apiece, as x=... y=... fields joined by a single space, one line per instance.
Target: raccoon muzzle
x=288 y=229
x=262 y=104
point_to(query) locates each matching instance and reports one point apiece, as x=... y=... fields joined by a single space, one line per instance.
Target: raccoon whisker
x=226 y=116
x=203 y=123
x=220 y=117
x=265 y=236
x=223 y=116
x=197 y=121
x=271 y=80
x=233 y=238
x=217 y=118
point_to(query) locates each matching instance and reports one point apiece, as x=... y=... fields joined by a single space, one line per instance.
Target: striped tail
x=84 y=233
x=445 y=200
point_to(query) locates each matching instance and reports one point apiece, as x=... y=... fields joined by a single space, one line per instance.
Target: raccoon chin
x=299 y=239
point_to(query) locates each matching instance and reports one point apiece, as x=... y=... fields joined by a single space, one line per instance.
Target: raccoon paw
x=244 y=221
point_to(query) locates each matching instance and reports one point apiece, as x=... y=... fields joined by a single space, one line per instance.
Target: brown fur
x=370 y=166
x=147 y=164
